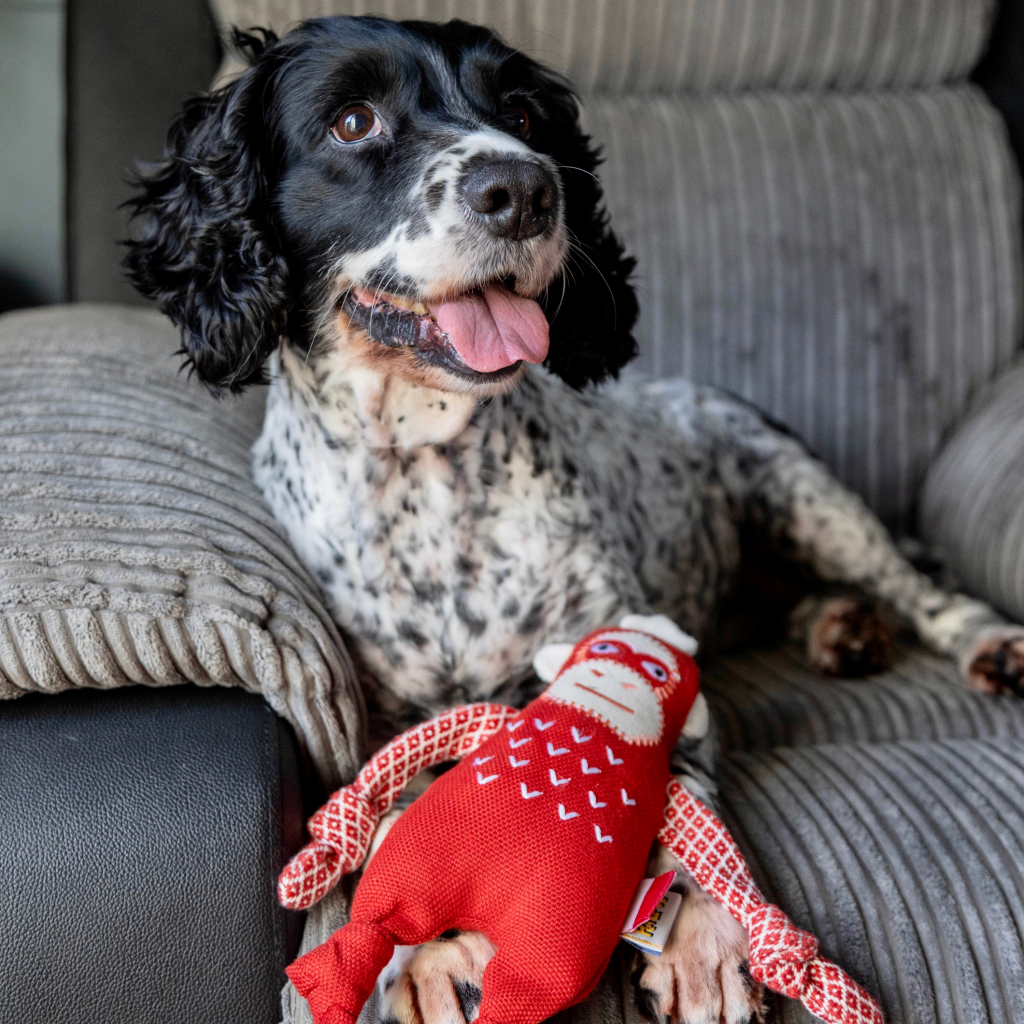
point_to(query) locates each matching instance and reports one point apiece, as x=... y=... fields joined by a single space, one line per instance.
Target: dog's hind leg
x=811 y=517
x=791 y=502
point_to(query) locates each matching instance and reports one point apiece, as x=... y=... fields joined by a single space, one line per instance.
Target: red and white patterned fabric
x=782 y=956
x=343 y=828
x=557 y=808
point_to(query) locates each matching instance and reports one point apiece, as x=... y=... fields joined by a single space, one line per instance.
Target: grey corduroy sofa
x=827 y=217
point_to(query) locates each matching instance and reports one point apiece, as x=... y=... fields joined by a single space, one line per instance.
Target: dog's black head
x=402 y=190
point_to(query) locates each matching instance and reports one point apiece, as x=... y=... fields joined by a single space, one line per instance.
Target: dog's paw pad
x=439 y=982
x=848 y=637
x=702 y=976
x=996 y=665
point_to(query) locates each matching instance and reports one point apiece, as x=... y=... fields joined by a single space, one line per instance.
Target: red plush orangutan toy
x=549 y=816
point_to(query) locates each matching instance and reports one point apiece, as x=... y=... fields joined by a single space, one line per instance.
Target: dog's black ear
x=205 y=246
x=591 y=306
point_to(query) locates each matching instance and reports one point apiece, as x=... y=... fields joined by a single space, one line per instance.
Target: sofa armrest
x=972 y=503
x=142 y=833
x=134 y=546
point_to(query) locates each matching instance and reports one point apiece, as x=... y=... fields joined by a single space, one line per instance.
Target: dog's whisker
x=561 y=299
x=329 y=307
x=575 y=246
x=569 y=167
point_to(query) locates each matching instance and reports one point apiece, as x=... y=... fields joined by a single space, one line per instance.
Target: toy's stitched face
x=623 y=678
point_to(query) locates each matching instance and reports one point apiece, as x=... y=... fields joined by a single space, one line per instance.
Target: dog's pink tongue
x=494 y=328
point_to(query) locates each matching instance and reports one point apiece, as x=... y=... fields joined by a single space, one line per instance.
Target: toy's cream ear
x=663 y=628
x=697 y=721
x=548 y=661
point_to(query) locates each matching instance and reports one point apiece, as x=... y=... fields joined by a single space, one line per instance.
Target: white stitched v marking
x=564 y=814
x=480 y=778
x=626 y=800
x=555 y=780
x=482 y=760
x=541 y=726
x=594 y=802
x=555 y=753
x=518 y=743
x=512 y=726
x=587 y=770
x=580 y=738
x=612 y=759
x=601 y=838
x=527 y=795
x=517 y=764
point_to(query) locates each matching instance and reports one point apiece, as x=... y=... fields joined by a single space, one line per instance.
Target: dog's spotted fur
x=460 y=520
x=543 y=515
x=534 y=516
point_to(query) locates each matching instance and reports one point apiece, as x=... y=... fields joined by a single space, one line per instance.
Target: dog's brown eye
x=356 y=123
x=521 y=120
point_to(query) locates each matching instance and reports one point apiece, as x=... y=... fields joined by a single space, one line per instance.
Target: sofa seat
x=880 y=813
x=905 y=859
x=770 y=698
x=885 y=815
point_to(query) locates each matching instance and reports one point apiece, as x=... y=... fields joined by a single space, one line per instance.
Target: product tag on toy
x=652 y=913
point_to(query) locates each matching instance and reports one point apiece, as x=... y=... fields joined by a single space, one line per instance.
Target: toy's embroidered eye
x=604 y=648
x=357 y=122
x=652 y=668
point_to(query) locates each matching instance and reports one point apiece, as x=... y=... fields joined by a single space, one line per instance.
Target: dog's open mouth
x=487 y=332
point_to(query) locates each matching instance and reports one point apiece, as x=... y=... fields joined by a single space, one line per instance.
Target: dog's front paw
x=702 y=976
x=995 y=661
x=436 y=983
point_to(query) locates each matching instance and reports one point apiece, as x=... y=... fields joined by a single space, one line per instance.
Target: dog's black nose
x=515 y=198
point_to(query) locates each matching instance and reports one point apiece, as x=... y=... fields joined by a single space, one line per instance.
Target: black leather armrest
x=141 y=833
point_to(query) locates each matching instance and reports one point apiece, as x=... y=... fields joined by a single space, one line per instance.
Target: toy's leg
x=528 y=982
x=338 y=977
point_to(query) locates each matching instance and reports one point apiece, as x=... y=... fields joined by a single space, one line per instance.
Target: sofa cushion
x=770 y=698
x=972 y=504
x=904 y=859
x=851 y=264
x=134 y=547
x=654 y=46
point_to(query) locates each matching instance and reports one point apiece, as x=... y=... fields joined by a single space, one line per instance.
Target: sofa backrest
x=825 y=213
x=678 y=46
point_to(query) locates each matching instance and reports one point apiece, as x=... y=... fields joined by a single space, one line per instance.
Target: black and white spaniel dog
x=398 y=226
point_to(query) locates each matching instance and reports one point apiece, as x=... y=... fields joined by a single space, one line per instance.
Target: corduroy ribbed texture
x=850 y=264
x=770 y=698
x=904 y=859
x=674 y=46
x=134 y=547
x=972 y=504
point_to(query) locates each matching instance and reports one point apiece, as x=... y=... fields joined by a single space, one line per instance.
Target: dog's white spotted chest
x=449 y=565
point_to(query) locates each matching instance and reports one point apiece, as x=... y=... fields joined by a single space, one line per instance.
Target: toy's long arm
x=782 y=956
x=343 y=828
